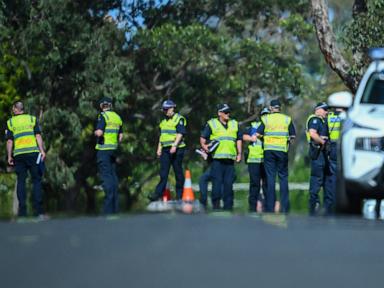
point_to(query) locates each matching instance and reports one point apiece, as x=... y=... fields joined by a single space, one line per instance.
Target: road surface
x=204 y=250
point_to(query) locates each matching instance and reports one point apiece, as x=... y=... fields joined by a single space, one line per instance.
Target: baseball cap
x=223 y=108
x=322 y=105
x=168 y=104
x=275 y=103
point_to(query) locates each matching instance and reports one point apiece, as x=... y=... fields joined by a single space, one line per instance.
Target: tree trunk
x=327 y=44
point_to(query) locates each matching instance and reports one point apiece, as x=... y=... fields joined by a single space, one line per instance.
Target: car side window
x=374 y=91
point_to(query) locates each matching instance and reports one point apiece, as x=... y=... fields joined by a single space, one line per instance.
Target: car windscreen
x=374 y=90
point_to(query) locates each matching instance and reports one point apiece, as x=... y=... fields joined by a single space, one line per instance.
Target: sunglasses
x=226 y=112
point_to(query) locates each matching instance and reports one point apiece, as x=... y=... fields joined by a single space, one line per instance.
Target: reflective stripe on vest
x=306 y=126
x=334 y=124
x=22 y=126
x=256 y=151
x=113 y=123
x=168 y=130
x=276 y=132
x=227 y=138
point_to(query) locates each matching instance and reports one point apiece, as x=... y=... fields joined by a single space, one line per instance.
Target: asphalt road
x=174 y=250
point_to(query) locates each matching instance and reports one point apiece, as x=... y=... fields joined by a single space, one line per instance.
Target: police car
x=361 y=146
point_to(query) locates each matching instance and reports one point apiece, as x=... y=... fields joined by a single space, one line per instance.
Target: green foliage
x=61 y=56
x=11 y=73
x=365 y=31
x=300 y=170
x=7 y=186
x=73 y=56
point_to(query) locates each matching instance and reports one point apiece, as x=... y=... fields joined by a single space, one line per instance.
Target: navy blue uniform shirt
x=320 y=126
x=250 y=131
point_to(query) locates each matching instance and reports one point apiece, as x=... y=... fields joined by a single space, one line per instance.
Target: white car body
x=361 y=157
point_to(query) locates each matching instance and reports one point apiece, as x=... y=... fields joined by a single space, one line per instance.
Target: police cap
x=223 y=108
x=105 y=100
x=168 y=104
x=321 y=105
x=275 y=103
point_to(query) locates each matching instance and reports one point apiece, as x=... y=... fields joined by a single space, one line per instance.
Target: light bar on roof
x=376 y=53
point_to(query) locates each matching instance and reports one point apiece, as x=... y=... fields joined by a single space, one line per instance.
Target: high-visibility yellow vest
x=276 y=133
x=256 y=151
x=306 y=126
x=334 y=125
x=113 y=123
x=168 y=130
x=226 y=137
x=22 y=127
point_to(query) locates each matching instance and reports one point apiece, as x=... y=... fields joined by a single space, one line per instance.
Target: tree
x=205 y=52
x=73 y=53
x=364 y=31
x=68 y=54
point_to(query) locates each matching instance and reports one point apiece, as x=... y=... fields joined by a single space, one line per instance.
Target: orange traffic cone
x=187 y=190
x=167 y=193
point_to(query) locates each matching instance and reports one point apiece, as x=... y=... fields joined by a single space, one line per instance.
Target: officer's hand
x=158 y=152
x=42 y=155
x=10 y=161
x=173 y=150
x=205 y=147
x=238 y=158
x=253 y=138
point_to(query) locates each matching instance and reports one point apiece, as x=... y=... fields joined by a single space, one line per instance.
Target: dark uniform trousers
x=333 y=170
x=166 y=160
x=321 y=176
x=256 y=174
x=204 y=179
x=23 y=164
x=276 y=162
x=223 y=174
x=106 y=162
x=203 y=185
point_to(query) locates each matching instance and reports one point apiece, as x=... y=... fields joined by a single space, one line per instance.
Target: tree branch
x=327 y=44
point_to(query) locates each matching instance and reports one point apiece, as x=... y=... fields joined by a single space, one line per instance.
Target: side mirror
x=340 y=100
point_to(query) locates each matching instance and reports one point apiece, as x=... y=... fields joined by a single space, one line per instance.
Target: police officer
x=333 y=127
x=24 y=143
x=109 y=134
x=171 y=149
x=317 y=135
x=277 y=130
x=206 y=177
x=226 y=131
x=255 y=159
